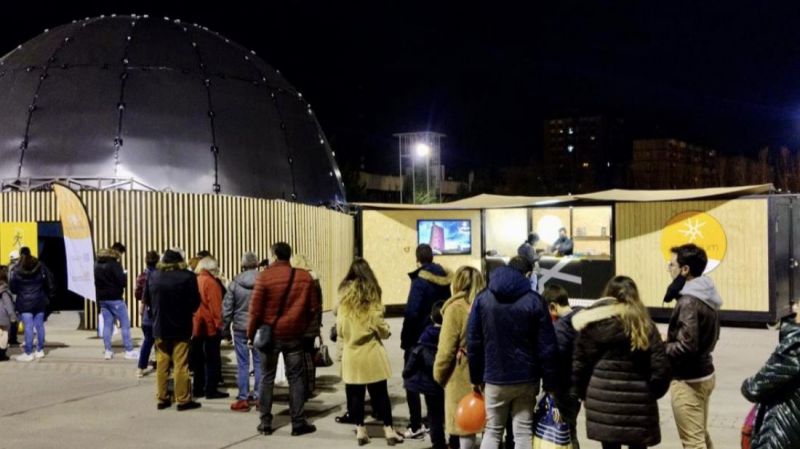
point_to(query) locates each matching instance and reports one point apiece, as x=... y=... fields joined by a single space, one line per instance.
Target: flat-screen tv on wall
x=446 y=237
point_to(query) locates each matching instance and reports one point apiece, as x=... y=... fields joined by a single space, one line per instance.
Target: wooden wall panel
x=742 y=277
x=225 y=225
x=390 y=241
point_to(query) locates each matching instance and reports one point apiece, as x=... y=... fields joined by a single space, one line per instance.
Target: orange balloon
x=471 y=413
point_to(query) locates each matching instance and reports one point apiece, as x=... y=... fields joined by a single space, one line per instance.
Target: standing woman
x=776 y=390
x=314 y=329
x=29 y=281
x=207 y=331
x=451 y=369
x=620 y=368
x=365 y=364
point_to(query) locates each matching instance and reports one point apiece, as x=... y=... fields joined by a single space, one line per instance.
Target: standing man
x=528 y=251
x=285 y=299
x=173 y=296
x=563 y=245
x=110 y=281
x=511 y=347
x=430 y=283
x=692 y=335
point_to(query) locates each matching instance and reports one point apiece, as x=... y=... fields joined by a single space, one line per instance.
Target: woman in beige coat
x=451 y=369
x=365 y=364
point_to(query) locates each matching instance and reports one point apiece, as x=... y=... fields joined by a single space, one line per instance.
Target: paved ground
x=75 y=399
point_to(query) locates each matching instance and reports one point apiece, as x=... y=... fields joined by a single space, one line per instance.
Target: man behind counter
x=563 y=245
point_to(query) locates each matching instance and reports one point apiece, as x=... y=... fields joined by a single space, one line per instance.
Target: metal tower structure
x=422 y=153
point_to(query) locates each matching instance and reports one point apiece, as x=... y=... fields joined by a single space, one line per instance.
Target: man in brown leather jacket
x=693 y=333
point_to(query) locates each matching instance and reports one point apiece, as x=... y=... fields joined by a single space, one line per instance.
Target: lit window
x=608 y=164
x=561 y=131
x=591 y=137
x=570 y=148
x=585 y=165
x=569 y=131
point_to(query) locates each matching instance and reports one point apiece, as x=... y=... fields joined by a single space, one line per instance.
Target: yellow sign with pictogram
x=699 y=228
x=15 y=235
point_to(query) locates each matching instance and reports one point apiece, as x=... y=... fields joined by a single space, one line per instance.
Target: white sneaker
x=24 y=358
x=39 y=354
x=411 y=434
x=133 y=354
x=108 y=355
x=139 y=372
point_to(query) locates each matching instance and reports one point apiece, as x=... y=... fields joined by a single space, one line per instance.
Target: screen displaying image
x=446 y=236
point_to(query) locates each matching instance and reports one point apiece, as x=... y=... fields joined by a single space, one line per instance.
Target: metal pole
x=400 y=156
x=413 y=177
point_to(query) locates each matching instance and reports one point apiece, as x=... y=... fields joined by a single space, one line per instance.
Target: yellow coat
x=451 y=369
x=364 y=359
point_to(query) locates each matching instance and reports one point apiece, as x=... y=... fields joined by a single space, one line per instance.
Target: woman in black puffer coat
x=776 y=390
x=620 y=368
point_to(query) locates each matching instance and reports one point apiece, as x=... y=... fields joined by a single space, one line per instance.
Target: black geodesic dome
x=171 y=105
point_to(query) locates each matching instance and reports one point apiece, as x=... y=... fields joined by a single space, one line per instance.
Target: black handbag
x=263 y=339
x=322 y=357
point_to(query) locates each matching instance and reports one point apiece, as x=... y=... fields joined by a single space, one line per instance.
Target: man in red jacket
x=289 y=321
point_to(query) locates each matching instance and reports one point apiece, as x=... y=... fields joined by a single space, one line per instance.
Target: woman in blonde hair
x=314 y=329
x=207 y=331
x=620 y=368
x=450 y=368
x=365 y=364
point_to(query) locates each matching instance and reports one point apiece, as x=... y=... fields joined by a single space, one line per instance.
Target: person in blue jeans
x=235 y=307
x=110 y=281
x=32 y=282
x=150 y=260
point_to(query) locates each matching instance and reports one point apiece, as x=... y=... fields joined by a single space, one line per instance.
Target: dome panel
x=79 y=51
x=224 y=59
x=156 y=125
x=249 y=160
x=70 y=144
x=157 y=43
x=39 y=49
x=16 y=93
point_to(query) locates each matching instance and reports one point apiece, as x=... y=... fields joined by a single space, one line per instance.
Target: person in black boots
x=207 y=331
x=173 y=297
x=430 y=283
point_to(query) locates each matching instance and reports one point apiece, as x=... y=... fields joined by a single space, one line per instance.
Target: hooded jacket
x=429 y=283
x=173 y=297
x=776 y=390
x=619 y=386
x=33 y=284
x=418 y=372
x=694 y=329
x=237 y=300
x=109 y=277
x=138 y=293
x=510 y=337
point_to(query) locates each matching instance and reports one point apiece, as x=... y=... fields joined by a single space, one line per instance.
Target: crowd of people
x=461 y=333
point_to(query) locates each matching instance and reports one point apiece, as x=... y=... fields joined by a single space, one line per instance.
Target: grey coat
x=7 y=315
x=236 y=302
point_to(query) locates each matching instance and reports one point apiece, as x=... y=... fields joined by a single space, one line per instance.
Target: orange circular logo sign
x=699 y=228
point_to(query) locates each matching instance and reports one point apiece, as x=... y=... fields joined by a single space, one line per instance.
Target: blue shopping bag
x=550 y=431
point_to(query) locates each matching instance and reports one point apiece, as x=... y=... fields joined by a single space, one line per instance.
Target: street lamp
x=423 y=150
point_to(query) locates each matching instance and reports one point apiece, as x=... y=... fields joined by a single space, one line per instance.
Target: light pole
x=414 y=147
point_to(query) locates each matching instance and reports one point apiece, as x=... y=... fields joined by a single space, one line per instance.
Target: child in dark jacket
x=418 y=376
x=568 y=404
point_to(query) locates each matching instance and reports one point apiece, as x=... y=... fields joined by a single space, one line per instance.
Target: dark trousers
x=435 y=406
x=147 y=346
x=12 y=333
x=414 y=402
x=294 y=358
x=619 y=446
x=378 y=393
x=206 y=363
x=569 y=407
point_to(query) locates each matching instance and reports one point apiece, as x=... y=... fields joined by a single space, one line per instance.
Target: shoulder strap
x=283 y=299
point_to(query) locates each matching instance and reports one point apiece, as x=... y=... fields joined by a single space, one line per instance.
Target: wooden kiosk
x=747 y=232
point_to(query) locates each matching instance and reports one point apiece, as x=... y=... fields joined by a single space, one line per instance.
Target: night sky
x=713 y=73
